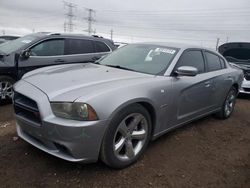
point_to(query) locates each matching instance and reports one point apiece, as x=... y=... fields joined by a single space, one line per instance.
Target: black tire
x=222 y=114
x=5 y=79
x=107 y=150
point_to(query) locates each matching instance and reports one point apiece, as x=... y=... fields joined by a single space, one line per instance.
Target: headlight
x=75 y=111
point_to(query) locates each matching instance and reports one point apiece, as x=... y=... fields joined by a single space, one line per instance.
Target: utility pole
x=217 y=43
x=111 y=34
x=69 y=16
x=3 y=32
x=227 y=39
x=90 y=19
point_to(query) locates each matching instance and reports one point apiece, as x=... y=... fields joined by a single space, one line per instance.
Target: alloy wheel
x=229 y=103
x=130 y=136
x=6 y=90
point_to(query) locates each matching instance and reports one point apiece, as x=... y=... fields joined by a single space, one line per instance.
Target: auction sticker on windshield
x=165 y=50
x=26 y=41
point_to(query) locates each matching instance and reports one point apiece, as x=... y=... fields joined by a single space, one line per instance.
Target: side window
x=192 y=58
x=222 y=61
x=101 y=47
x=79 y=46
x=52 y=47
x=213 y=62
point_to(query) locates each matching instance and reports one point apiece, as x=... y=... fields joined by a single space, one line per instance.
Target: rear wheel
x=126 y=137
x=6 y=88
x=228 y=105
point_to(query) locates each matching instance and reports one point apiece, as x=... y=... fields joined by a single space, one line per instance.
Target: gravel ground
x=206 y=153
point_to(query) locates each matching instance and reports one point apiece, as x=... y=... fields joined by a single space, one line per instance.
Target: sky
x=198 y=22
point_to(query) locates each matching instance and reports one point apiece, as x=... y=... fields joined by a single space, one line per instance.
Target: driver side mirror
x=186 y=71
x=25 y=54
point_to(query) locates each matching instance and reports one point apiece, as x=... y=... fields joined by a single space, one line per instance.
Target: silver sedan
x=111 y=109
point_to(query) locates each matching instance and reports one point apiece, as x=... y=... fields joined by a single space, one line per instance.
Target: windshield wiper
x=119 y=67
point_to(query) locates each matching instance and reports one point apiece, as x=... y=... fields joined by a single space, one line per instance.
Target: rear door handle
x=208 y=84
x=59 y=61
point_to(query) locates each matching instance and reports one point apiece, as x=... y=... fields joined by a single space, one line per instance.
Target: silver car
x=111 y=109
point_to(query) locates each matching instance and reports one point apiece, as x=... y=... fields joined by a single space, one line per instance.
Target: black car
x=37 y=50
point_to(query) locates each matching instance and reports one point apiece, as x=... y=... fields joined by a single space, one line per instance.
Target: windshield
x=13 y=45
x=145 y=58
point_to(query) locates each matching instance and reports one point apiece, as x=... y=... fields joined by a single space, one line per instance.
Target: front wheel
x=126 y=137
x=6 y=88
x=228 y=105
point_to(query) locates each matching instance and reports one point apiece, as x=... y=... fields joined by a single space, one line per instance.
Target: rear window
x=213 y=62
x=101 y=47
x=79 y=46
x=223 y=64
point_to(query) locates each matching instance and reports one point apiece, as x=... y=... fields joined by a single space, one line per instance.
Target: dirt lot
x=206 y=153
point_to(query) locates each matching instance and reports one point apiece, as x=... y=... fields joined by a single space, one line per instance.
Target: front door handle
x=59 y=61
x=208 y=84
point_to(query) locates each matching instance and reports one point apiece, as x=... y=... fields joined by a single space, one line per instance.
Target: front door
x=45 y=53
x=194 y=95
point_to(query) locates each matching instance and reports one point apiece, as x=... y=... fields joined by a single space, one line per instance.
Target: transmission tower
x=111 y=34
x=90 y=19
x=69 y=16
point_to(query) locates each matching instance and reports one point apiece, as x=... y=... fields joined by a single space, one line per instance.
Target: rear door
x=79 y=50
x=44 y=53
x=221 y=76
x=193 y=94
x=84 y=50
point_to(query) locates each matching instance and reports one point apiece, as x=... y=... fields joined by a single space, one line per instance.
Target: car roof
x=50 y=34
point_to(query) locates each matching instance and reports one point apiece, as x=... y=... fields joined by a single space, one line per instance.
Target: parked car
x=113 y=108
x=45 y=49
x=238 y=55
x=6 y=38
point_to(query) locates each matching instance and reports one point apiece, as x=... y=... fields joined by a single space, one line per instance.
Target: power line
x=90 y=19
x=69 y=16
x=224 y=9
x=158 y=37
x=170 y=29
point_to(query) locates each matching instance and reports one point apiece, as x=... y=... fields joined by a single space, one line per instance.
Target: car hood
x=69 y=82
x=237 y=53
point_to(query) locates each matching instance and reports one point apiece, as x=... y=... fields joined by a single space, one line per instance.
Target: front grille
x=247 y=77
x=247 y=74
x=26 y=108
x=246 y=89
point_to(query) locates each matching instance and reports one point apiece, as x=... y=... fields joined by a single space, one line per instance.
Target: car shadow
x=5 y=102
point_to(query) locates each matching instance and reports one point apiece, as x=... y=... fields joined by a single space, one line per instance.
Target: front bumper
x=245 y=87
x=76 y=141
